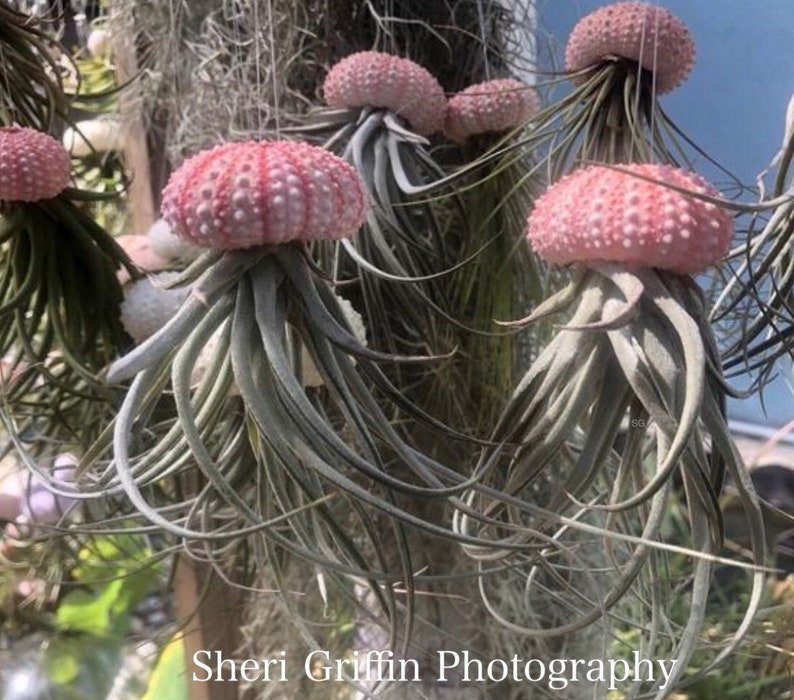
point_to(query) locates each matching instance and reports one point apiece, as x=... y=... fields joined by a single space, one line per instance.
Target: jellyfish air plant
x=273 y=455
x=626 y=400
x=59 y=298
x=381 y=109
x=493 y=186
x=620 y=58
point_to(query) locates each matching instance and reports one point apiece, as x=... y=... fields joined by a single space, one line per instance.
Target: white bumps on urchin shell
x=166 y=244
x=495 y=106
x=33 y=165
x=148 y=305
x=92 y=136
x=381 y=80
x=241 y=195
x=311 y=376
x=601 y=214
x=642 y=32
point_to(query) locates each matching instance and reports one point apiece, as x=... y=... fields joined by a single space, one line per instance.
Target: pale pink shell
x=33 y=165
x=601 y=214
x=256 y=193
x=650 y=35
x=375 y=79
x=495 y=106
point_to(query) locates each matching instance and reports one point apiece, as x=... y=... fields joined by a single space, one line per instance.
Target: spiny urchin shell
x=375 y=79
x=33 y=165
x=495 y=106
x=241 y=195
x=601 y=214
x=148 y=305
x=647 y=34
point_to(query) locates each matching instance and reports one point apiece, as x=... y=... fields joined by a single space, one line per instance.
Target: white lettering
x=665 y=672
x=443 y=665
x=204 y=666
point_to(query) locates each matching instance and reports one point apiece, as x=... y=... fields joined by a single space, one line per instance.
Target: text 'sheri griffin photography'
x=396 y=350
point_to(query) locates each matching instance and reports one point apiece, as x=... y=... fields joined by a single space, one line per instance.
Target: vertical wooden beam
x=133 y=131
x=213 y=614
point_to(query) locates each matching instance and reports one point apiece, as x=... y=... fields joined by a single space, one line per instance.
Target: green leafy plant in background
x=88 y=626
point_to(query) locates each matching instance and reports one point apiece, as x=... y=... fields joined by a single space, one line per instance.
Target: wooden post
x=133 y=131
x=213 y=614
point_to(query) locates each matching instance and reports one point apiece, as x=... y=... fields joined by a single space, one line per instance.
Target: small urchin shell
x=148 y=305
x=646 y=34
x=241 y=195
x=33 y=165
x=602 y=214
x=166 y=244
x=495 y=106
x=380 y=80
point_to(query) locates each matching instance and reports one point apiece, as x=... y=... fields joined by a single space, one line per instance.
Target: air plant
x=59 y=297
x=636 y=354
x=271 y=456
x=756 y=305
x=488 y=120
x=59 y=316
x=31 y=89
x=620 y=58
x=382 y=108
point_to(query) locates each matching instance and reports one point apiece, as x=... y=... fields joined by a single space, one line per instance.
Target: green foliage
x=169 y=677
x=112 y=581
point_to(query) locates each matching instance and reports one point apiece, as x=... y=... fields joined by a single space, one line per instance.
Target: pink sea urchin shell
x=246 y=194
x=33 y=165
x=491 y=107
x=650 y=35
x=601 y=214
x=375 y=79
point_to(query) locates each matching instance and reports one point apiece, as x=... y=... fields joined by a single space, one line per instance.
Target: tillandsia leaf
x=252 y=298
x=502 y=281
x=611 y=117
x=208 y=288
x=412 y=258
x=59 y=317
x=760 y=293
x=31 y=88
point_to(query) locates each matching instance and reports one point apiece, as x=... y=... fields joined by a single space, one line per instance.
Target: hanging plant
x=59 y=297
x=620 y=58
x=755 y=308
x=636 y=354
x=59 y=315
x=256 y=205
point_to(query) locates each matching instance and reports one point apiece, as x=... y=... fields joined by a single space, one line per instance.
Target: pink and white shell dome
x=602 y=214
x=241 y=195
